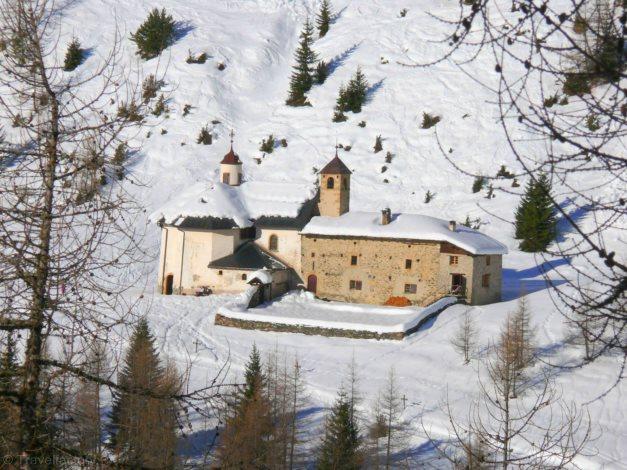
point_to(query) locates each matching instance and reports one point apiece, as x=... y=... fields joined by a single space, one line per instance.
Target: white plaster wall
x=289 y=245
x=233 y=171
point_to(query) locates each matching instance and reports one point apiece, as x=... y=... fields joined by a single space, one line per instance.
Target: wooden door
x=169 y=284
x=312 y=283
x=458 y=285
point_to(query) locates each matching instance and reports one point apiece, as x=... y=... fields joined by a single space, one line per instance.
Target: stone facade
x=367 y=270
x=334 y=194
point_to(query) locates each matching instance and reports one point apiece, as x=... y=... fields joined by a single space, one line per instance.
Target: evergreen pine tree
x=155 y=34
x=9 y=413
x=246 y=441
x=303 y=75
x=73 y=56
x=323 y=19
x=341 y=444
x=322 y=72
x=535 y=216
x=340 y=107
x=142 y=427
x=357 y=91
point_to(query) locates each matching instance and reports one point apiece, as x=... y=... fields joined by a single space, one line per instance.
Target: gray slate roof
x=248 y=256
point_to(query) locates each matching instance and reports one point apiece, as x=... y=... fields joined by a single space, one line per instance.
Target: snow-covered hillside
x=256 y=39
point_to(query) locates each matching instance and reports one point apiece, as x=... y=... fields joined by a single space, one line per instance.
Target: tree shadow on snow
x=339 y=60
x=373 y=89
x=522 y=282
x=576 y=214
x=182 y=29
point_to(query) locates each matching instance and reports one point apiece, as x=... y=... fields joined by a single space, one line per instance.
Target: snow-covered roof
x=404 y=226
x=241 y=204
x=264 y=276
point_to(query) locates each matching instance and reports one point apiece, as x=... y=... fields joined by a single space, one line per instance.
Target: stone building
x=215 y=238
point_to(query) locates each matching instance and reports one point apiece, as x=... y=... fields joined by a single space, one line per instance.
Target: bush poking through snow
x=429 y=120
x=187 y=109
x=155 y=34
x=362 y=124
x=592 y=123
x=130 y=112
x=472 y=223
x=200 y=59
x=478 y=184
x=388 y=157
x=160 y=107
x=204 y=137
x=73 y=56
x=150 y=87
x=267 y=145
x=429 y=196
x=551 y=101
x=378 y=144
x=403 y=12
x=284 y=143
x=119 y=158
x=504 y=173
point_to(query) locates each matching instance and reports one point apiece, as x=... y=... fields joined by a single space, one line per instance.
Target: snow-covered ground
x=302 y=309
x=426 y=364
x=256 y=40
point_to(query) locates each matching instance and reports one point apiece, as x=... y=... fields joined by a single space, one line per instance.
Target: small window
x=487 y=261
x=226 y=177
x=353 y=260
x=355 y=285
x=330 y=182
x=407 y=264
x=453 y=260
x=219 y=273
x=274 y=243
x=345 y=183
x=410 y=288
x=244 y=277
x=313 y=255
x=485 y=280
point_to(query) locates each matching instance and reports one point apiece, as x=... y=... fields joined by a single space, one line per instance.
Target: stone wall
x=222 y=320
x=336 y=201
x=384 y=270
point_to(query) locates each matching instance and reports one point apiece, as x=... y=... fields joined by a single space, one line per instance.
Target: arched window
x=274 y=243
x=330 y=182
x=244 y=277
x=345 y=183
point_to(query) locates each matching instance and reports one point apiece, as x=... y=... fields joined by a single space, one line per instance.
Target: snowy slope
x=256 y=39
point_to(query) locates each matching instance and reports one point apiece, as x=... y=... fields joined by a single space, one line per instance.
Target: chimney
x=452 y=225
x=386 y=216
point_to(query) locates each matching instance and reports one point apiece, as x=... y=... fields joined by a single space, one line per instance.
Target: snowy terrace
x=302 y=312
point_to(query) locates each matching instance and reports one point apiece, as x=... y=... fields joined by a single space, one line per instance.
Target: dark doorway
x=458 y=285
x=312 y=283
x=169 y=284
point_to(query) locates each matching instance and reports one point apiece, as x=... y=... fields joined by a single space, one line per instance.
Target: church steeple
x=335 y=188
x=231 y=167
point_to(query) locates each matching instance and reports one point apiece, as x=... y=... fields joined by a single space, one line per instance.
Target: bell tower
x=231 y=167
x=335 y=188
